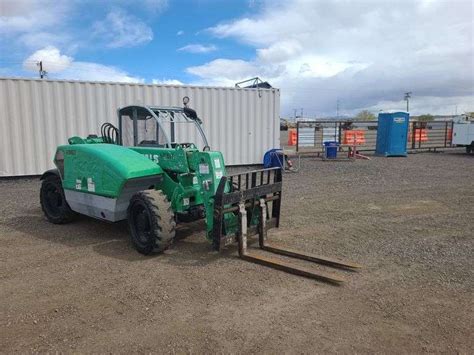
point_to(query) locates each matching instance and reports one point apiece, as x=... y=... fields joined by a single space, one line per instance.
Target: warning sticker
x=195 y=180
x=399 y=119
x=218 y=174
x=78 y=184
x=90 y=185
x=204 y=168
x=217 y=163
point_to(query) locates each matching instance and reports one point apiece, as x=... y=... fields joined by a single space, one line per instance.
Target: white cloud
x=166 y=82
x=33 y=24
x=35 y=40
x=97 y=72
x=224 y=71
x=60 y=66
x=198 y=48
x=52 y=60
x=430 y=104
x=18 y=16
x=38 y=23
x=42 y=26
x=120 y=29
x=180 y=33
x=280 y=51
x=364 y=53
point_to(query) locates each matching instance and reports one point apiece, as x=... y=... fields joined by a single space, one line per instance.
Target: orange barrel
x=292 y=136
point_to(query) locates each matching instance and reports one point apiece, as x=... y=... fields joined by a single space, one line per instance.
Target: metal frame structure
x=439 y=134
x=165 y=114
x=255 y=82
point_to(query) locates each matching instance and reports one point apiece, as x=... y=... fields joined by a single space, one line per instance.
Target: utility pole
x=407 y=99
x=301 y=113
x=294 y=113
x=337 y=108
x=42 y=72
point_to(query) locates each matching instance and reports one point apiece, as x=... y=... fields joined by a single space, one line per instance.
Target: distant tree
x=425 y=118
x=365 y=115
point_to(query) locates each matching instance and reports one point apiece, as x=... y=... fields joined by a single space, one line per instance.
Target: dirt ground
x=82 y=288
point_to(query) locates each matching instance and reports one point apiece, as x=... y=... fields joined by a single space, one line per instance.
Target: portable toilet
x=392 y=132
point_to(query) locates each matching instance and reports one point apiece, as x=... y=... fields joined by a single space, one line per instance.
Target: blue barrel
x=331 y=149
x=273 y=158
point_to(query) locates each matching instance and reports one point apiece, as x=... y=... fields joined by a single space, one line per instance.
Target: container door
x=398 y=136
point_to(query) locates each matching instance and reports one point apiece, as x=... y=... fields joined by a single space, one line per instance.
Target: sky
x=321 y=54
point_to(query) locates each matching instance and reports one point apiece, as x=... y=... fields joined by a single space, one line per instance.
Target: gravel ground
x=82 y=288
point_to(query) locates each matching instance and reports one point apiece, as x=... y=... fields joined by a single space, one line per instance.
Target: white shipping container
x=38 y=115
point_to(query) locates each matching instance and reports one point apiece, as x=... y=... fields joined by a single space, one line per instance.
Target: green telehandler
x=157 y=169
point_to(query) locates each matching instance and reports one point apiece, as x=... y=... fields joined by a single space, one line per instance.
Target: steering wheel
x=206 y=148
x=148 y=142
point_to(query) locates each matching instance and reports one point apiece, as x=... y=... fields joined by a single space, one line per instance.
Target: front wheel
x=151 y=222
x=53 y=201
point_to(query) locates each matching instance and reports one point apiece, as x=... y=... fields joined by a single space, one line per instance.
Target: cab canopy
x=156 y=126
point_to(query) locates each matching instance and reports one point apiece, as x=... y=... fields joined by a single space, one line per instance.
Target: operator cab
x=161 y=127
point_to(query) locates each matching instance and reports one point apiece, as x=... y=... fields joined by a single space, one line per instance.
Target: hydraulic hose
x=109 y=133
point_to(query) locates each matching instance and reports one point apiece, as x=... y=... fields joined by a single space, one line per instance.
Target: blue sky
x=175 y=26
x=363 y=54
x=171 y=36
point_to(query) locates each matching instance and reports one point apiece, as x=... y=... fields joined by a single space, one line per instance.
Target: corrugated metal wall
x=37 y=115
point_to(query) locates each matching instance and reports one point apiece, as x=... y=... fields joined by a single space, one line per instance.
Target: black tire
x=469 y=148
x=53 y=201
x=151 y=222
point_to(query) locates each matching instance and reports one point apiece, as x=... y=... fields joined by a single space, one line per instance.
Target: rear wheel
x=469 y=148
x=53 y=201
x=151 y=222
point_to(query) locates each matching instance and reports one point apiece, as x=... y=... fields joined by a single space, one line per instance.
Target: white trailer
x=463 y=134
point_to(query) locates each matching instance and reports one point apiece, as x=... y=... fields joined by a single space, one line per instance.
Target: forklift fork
x=272 y=193
x=251 y=256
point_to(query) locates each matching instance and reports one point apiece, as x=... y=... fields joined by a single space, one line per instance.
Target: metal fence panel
x=37 y=115
x=422 y=135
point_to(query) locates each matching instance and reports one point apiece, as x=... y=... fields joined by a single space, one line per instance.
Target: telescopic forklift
x=156 y=169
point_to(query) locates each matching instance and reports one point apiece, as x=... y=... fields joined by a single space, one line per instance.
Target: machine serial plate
x=203 y=168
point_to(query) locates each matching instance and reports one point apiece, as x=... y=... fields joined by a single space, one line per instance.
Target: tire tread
x=67 y=215
x=163 y=222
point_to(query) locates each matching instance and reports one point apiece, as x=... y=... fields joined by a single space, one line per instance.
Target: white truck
x=463 y=134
